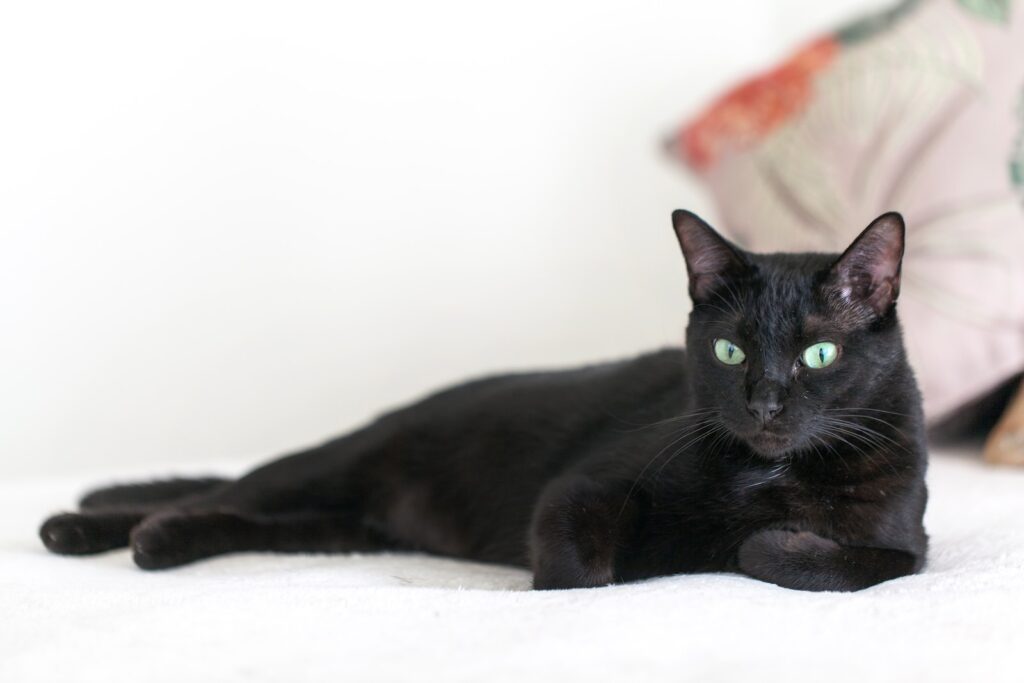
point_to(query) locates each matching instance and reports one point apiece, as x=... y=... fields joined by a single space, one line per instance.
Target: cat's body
x=612 y=472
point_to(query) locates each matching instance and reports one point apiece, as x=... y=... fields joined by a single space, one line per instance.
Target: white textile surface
x=411 y=617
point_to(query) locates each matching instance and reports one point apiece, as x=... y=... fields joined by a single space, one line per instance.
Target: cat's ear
x=710 y=258
x=867 y=275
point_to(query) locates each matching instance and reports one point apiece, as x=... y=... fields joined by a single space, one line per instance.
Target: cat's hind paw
x=160 y=544
x=172 y=539
x=76 y=534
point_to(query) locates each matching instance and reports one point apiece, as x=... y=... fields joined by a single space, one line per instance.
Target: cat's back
x=558 y=396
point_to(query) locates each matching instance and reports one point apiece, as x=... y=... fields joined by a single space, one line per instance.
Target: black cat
x=785 y=443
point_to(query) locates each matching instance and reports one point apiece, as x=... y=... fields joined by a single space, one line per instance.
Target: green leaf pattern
x=992 y=10
x=1017 y=153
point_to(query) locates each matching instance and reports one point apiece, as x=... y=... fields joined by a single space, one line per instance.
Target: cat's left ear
x=868 y=273
x=711 y=260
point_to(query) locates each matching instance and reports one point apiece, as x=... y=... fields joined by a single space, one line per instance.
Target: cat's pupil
x=821 y=353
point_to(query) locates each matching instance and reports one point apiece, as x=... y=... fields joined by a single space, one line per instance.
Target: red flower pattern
x=756 y=107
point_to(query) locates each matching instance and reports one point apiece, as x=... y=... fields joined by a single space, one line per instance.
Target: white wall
x=228 y=229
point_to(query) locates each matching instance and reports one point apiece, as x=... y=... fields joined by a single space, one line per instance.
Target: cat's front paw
x=767 y=549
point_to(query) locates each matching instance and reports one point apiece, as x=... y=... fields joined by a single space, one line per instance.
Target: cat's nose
x=764 y=409
x=765 y=401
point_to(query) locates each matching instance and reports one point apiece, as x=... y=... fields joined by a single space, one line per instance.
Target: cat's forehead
x=781 y=300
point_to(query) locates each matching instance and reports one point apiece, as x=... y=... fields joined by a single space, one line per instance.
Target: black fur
x=670 y=462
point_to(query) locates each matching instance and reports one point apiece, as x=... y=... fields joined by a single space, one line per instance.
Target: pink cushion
x=919 y=110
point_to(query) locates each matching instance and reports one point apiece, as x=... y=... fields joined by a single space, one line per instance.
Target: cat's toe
x=150 y=548
x=155 y=545
x=70 y=534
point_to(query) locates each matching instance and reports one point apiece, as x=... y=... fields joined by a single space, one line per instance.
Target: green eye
x=729 y=353
x=820 y=355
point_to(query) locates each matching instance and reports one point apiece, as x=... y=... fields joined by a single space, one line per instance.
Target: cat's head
x=789 y=347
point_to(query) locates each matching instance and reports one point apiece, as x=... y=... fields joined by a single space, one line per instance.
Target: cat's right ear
x=710 y=258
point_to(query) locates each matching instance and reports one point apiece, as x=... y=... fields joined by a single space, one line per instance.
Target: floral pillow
x=918 y=110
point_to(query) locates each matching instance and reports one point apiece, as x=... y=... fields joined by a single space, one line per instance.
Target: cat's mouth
x=771 y=443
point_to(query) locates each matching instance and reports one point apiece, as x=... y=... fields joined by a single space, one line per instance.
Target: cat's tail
x=147 y=494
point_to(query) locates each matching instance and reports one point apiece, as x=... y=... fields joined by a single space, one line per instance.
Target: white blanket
x=393 y=617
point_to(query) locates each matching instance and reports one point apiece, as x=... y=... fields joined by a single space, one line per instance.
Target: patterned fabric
x=919 y=110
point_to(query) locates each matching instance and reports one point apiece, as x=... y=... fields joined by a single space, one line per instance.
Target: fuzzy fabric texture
x=412 y=617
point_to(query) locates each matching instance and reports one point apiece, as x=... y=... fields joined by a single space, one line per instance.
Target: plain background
x=233 y=229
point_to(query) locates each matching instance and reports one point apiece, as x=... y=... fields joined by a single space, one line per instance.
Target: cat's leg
x=150 y=494
x=805 y=561
x=576 y=533
x=90 y=532
x=173 y=538
x=108 y=515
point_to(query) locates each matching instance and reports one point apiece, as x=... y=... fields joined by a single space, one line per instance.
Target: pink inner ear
x=883 y=296
x=709 y=266
x=709 y=257
x=869 y=271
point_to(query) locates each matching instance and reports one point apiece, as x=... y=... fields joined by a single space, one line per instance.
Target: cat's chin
x=771 y=446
